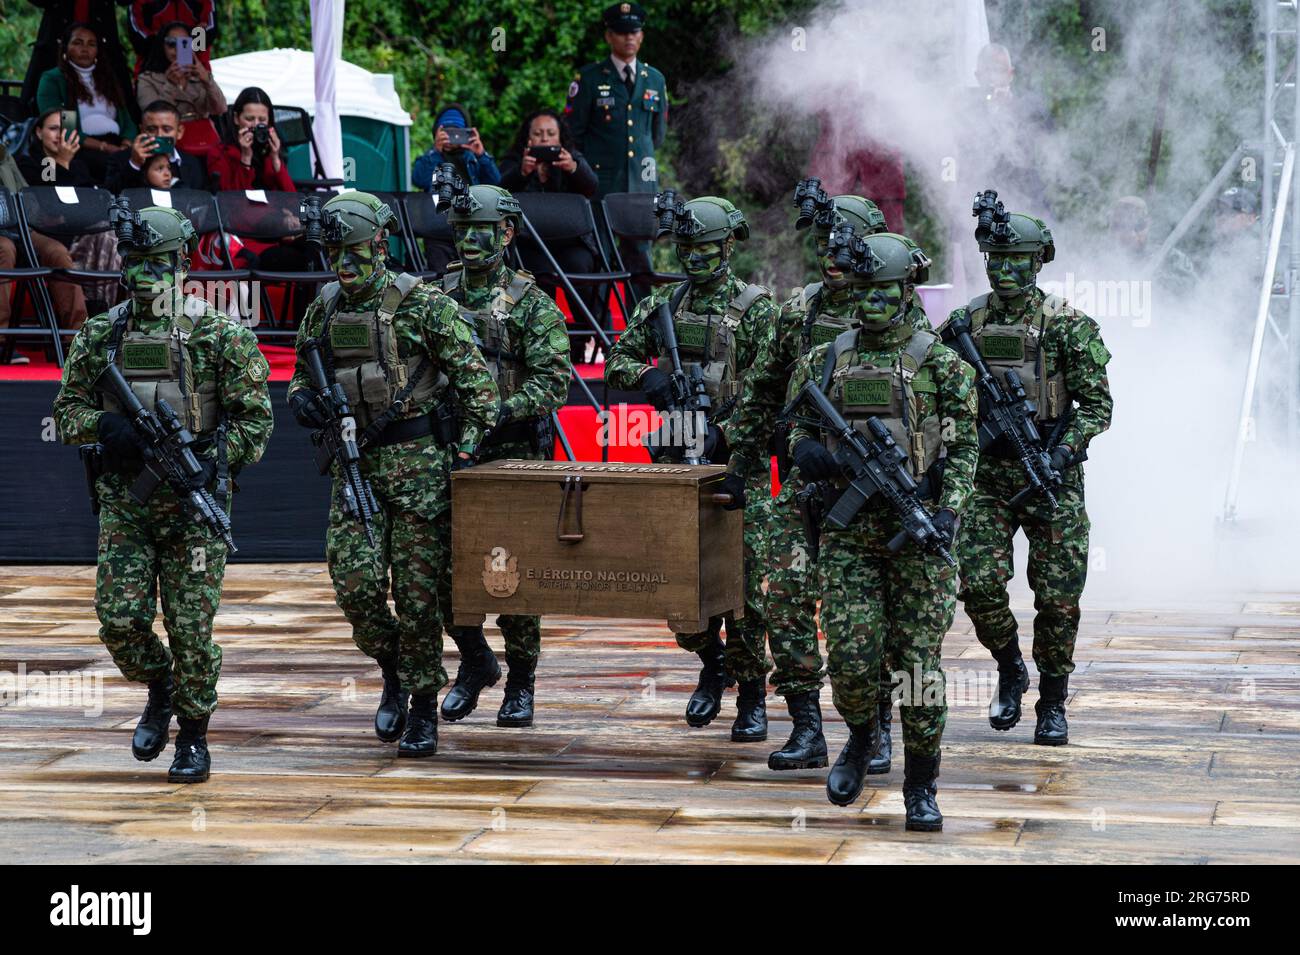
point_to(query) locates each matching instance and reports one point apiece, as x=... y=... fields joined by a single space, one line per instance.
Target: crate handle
x=572 y=487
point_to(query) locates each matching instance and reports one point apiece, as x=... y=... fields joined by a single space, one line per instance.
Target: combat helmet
x=152 y=230
x=485 y=204
x=886 y=257
x=353 y=217
x=710 y=219
x=864 y=215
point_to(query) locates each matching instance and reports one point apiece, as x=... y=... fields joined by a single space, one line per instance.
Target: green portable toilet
x=376 y=141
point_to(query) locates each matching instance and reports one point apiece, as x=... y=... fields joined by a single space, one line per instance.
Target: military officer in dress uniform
x=618 y=107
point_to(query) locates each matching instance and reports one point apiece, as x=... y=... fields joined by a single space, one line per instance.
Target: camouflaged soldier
x=814 y=315
x=400 y=352
x=521 y=335
x=881 y=607
x=1059 y=355
x=718 y=321
x=174 y=348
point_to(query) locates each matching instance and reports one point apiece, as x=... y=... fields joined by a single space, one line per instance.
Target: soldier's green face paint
x=1010 y=273
x=149 y=276
x=878 y=304
x=700 y=261
x=479 y=245
x=355 y=265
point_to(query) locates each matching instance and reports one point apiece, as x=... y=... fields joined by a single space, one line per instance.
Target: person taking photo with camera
x=455 y=140
x=251 y=158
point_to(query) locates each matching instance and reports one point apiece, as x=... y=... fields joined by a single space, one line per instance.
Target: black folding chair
x=555 y=218
x=432 y=242
x=629 y=219
x=272 y=221
x=293 y=125
x=401 y=244
x=29 y=281
x=47 y=213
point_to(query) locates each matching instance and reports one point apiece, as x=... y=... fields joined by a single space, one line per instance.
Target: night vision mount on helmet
x=997 y=230
x=706 y=219
x=882 y=257
x=154 y=229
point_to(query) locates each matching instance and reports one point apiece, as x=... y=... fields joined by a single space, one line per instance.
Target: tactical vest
x=158 y=365
x=367 y=357
x=710 y=341
x=505 y=359
x=1019 y=347
x=818 y=327
x=860 y=390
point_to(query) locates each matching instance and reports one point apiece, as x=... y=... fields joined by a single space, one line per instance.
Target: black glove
x=307 y=410
x=814 y=462
x=734 y=485
x=716 y=449
x=457 y=462
x=1062 y=456
x=119 y=438
x=945 y=522
x=504 y=415
x=657 y=387
x=206 y=476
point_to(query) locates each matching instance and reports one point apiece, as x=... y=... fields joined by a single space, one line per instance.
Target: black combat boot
x=152 y=732
x=806 y=747
x=883 y=760
x=478 y=668
x=1013 y=680
x=421 y=735
x=517 y=707
x=193 y=763
x=390 y=718
x=751 y=712
x=847 y=776
x=706 y=701
x=1052 y=730
x=919 y=775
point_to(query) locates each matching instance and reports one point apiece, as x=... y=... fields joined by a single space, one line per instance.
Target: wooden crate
x=594 y=540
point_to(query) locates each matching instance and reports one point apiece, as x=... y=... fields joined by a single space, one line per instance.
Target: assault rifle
x=168 y=455
x=337 y=441
x=875 y=466
x=688 y=401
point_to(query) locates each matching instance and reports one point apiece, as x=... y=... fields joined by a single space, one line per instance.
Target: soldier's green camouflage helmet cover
x=359 y=217
x=1028 y=234
x=896 y=258
x=169 y=231
x=714 y=219
x=863 y=214
x=485 y=204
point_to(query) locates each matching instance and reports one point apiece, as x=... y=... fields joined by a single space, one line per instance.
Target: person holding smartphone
x=545 y=159
x=174 y=73
x=456 y=141
x=160 y=135
x=53 y=156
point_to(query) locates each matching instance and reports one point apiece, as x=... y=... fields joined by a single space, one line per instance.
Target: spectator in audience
x=84 y=82
x=161 y=130
x=52 y=158
x=529 y=169
x=69 y=301
x=472 y=161
x=151 y=17
x=57 y=17
x=246 y=162
x=190 y=89
x=158 y=172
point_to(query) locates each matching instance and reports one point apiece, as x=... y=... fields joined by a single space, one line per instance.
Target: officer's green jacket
x=221 y=350
x=954 y=400
x=537 y=336
x=427 y=321
x=638 y=346
x=618 y=132
x=749 y=429
x=1072 y=345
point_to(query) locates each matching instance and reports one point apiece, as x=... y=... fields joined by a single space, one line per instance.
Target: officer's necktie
x=628 y=80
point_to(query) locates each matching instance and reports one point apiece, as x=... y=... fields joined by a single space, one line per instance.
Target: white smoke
x=893 y=71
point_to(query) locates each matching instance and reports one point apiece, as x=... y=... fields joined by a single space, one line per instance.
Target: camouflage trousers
x=522 y=634
x=746 y=637
x=409 y=481
x=791 y=597
x=152 y=550
x=886 y=612
x=1058 y=562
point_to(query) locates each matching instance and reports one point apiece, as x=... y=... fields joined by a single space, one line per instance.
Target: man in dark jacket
x=160 y=121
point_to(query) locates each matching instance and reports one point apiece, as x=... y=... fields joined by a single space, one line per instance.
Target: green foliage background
x=505 y=58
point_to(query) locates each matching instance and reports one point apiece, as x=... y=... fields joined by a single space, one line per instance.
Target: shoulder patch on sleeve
x=259 y=369
x=1098 y=351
